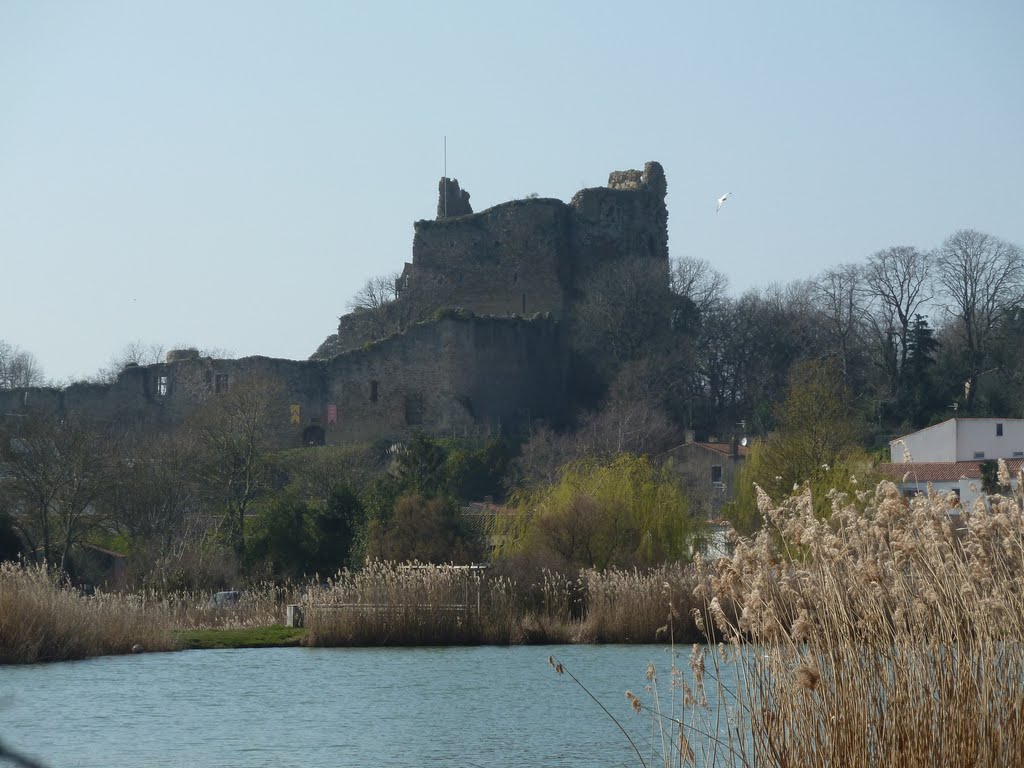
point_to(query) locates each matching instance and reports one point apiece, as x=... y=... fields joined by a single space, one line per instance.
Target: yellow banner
x=296 y=414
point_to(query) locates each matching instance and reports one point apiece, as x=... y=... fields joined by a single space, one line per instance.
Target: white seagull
x=721 y=200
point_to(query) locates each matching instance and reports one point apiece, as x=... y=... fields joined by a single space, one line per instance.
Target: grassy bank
x=275 y=636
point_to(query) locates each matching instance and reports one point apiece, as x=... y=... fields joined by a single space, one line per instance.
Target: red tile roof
x=940 y=471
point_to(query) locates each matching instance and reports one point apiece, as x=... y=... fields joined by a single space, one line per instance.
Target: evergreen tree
x=920 y=396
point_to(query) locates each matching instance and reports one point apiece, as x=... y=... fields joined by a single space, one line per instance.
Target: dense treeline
x=822 y=371
x=910 y=333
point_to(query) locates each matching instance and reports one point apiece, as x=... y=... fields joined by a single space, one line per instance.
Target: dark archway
x=314 y=436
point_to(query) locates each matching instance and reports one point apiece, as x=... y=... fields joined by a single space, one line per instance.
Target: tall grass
x=389 y=604
x=259 y=605
x=43 y=620
x=639 y=606
x=890 y=634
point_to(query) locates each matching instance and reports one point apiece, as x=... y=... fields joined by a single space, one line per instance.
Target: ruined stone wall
x=627 y=219
x=452 y=377
x=458 y=375
x=451 y=199
x=532 y=255
x=510 y=259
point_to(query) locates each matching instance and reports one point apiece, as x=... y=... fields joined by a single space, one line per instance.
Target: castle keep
x=498 y=288
x=529 y=256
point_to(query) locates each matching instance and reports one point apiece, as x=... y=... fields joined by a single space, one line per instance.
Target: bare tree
x=899 y=283
x=133 y=353
x=154 y=503
x=377 y=293
x=378 y=310
x=840 y=298
x=55 y=474
x=698 y=281
x=235 y=434
x=18 y=368
x=984 y=280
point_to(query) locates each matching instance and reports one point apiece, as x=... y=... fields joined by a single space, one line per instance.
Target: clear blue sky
x=228 y=174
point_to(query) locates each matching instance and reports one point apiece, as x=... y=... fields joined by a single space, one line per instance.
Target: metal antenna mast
x=446 y=176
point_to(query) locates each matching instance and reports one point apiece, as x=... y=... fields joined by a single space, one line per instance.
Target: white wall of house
x=968 y=488
x=936 y=443
x=963 y=487
x=962 y=440
x=979 y=436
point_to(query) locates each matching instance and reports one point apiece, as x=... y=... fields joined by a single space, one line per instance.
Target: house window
x=716 y=474
x=999 y=430
x=161 y=386
x=220 y=383
x=373 y=391
x=979 y=454
x=1018 y=454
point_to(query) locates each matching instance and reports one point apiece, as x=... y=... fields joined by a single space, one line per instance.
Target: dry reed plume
x=390 y=604
x=890 y=634
x=42 y=620
x=629 y=606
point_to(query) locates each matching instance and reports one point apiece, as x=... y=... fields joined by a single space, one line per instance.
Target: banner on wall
x=296 y=414
x=332 y=414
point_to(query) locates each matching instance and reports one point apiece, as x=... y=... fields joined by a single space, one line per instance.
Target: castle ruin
x=497 y=289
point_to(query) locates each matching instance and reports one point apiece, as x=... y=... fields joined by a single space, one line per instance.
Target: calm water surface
x=314 y=708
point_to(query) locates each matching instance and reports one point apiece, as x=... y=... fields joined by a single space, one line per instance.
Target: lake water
x=314 y=708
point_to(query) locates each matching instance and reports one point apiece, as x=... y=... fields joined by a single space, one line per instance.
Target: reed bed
x=259 y=605
x=44 y=620
x=391 y=604
x=890 y=634
x=639 y=606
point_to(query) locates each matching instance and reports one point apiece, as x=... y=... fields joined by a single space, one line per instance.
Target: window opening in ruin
x=999 y=430
x=524 y=304
x=716 y=474
x=161 y=386
x=414 y=409
x=373 y=391
x=220 y=383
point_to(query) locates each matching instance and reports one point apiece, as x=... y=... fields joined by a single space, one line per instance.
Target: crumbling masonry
x=500 y=286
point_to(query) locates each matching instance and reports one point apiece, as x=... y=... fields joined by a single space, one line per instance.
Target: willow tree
x=625 y=512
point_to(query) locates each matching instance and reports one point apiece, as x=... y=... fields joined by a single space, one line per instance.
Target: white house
x=949 y=456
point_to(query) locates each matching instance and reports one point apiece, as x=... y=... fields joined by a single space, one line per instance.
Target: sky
x=227 y=175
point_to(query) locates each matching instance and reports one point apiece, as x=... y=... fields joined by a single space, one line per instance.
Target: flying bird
x=721 y=200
